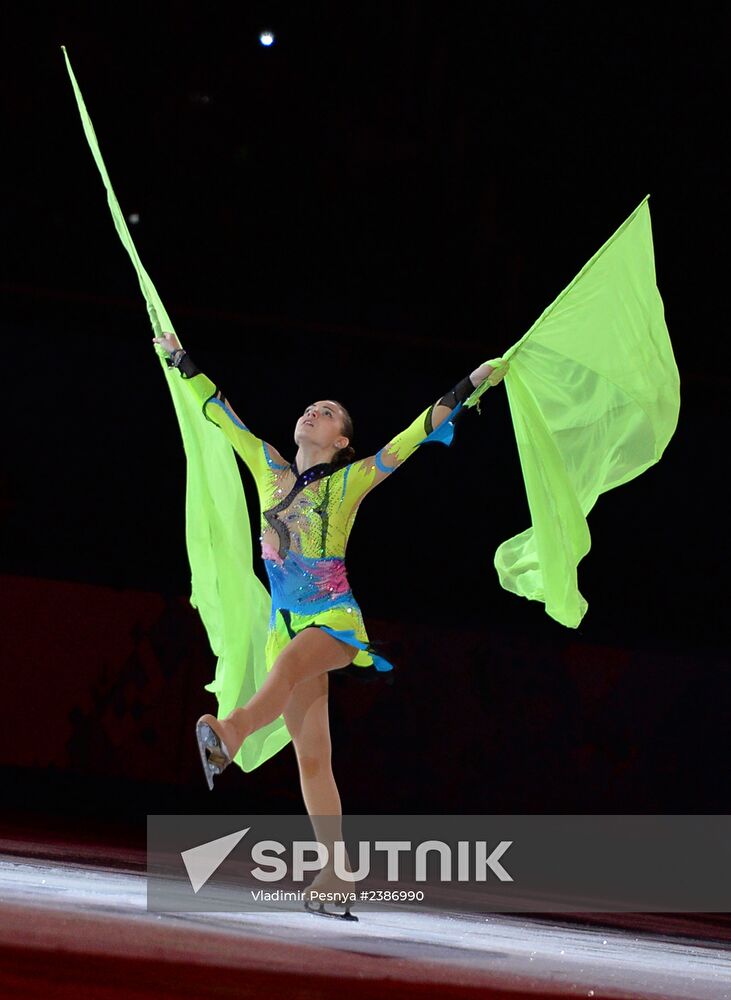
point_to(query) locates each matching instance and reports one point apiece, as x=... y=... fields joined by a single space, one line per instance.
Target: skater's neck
x=308 y=456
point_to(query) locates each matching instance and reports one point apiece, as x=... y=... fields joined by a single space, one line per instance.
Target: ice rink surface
x=77 y=923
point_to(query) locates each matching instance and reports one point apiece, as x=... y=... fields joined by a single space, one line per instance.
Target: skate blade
x=322 y=912
x=214 y=755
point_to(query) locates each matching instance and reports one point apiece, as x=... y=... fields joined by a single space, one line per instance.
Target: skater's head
x=327 y=425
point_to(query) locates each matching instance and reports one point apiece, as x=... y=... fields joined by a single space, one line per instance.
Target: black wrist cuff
x=184 y=363
x=462 y=391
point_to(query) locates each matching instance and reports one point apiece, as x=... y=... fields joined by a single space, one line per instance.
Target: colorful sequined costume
x=307 y=517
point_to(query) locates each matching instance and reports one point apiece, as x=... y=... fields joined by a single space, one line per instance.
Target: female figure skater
x=308 y=507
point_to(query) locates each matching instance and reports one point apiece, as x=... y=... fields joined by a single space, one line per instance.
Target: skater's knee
x=313 y=765
x=314 y=748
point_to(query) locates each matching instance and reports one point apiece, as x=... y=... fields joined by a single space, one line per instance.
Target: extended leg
x=312 y=652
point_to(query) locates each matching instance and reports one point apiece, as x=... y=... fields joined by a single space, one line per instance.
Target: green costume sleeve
x=361 y=476
x=594 y=395
x=257 y=454
x=233 y=603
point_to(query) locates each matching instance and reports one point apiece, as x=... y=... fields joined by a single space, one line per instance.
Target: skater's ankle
x=239 y=723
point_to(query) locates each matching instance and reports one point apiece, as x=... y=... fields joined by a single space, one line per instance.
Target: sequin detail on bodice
x=279 y=523
x=304 y=583
x=308 y=585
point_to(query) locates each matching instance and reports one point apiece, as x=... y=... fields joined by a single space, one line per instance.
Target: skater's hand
x=168 y=341
x=493 y=375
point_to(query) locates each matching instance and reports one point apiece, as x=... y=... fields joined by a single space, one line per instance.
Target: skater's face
x=321 y=424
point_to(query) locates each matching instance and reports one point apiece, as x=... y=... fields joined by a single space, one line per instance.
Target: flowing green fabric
x=233 y=603
x=594 y=395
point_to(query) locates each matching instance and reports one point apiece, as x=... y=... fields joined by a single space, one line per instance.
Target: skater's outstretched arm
x=361 y=476
x=258 y=455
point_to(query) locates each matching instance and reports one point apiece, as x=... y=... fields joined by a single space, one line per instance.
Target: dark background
x=386 y=197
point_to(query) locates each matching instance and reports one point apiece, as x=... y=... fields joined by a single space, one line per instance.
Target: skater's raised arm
x=258 y=455
x=405 y=444
x=363 y=475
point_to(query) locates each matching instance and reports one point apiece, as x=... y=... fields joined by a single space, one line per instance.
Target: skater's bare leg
x=306 y=716
x=307 y=719
x=312 y=652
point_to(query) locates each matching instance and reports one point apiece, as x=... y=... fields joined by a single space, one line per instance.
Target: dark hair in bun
x=344 y=456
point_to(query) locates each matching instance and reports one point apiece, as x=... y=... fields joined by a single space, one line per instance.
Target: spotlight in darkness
x=266 y=38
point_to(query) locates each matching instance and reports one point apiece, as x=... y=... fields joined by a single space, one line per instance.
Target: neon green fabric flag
x=594 y=395
x=233 y=603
